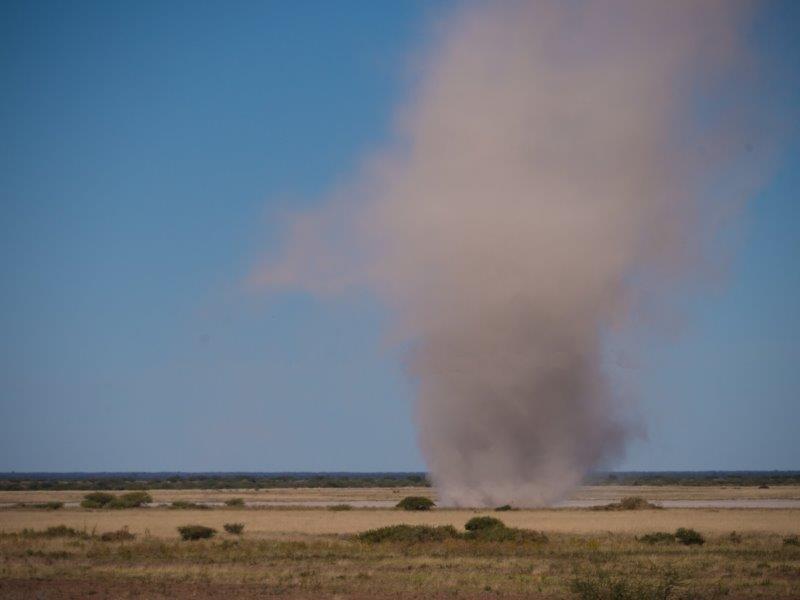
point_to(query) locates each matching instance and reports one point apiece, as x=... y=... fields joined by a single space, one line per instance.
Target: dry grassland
x=610 y=493
x=311 y=553
x=162 y=522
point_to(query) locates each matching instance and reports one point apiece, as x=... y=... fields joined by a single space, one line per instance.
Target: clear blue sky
x=148 y=150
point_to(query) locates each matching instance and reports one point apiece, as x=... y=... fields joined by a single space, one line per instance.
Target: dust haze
x=556 y=167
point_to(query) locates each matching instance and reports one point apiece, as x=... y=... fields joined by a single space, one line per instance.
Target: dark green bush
x=105 y=500
x=792 y=540
x=657 y=537
x=503 y=508
x=416 y=503
x=409 y=533
x=56 y=532
x=196 y=532
x=628 y=503
x=48 y=505
x=689 y=537
x=234 y=502
x=234 y=528
x=97 y=499
x=477 y=523
x=340 y=507
x=120 y=535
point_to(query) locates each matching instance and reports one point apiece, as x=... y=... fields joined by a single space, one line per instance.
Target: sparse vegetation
x=338 y=507
x=234 y=502
x=657 y=537
x=503 y=508
x=734 y=538
x=791 y=540
x=416 y=503
x=196 y=532
x=605 y=586
x=689 y=537
x=234 y=528
x=120 y=535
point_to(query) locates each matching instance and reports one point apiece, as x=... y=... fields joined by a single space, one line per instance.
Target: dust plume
x=557 y=166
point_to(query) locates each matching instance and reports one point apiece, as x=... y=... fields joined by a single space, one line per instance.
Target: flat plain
x=314 y=552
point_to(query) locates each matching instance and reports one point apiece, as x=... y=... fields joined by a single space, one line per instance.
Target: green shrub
x=503 y=508
x=689 y=537
x=340 y=507
x=234 y=528
x=416 y=503
x=506 y=534
x=196 y=532
x=657 y=537
x=477 y=523
x=234 y=502
x=105 y=500
x=792 y=540
x=97 y=500
x=186 y=505
x=120 y=535
x=409 y=533
x=628 y=503
x=132 y=500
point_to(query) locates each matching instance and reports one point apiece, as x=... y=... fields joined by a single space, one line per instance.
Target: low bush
x=56 y=531
x=340 y=507
x=503 y=508
x=734 y=538
x=416 y=503
x=186 y=505
x=409 y=533
x=48 y=505
x=234 y=502
x=628 y=503
x=120 y=535
x=234 y=528
x=477 y=523
x=97 y=500
x=106 y=500
x=196 y=532
x=689 y=537
x=792 y=540
x=657 y=537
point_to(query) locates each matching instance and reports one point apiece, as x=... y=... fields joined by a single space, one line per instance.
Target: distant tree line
x=184 y=481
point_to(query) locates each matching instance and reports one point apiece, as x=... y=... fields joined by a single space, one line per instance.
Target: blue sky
x=149 y=151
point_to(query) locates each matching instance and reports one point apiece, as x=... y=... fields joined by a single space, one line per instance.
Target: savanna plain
x=333 y=543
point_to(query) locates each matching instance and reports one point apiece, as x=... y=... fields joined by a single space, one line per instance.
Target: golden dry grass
x=162 y=522
x=610 y=493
